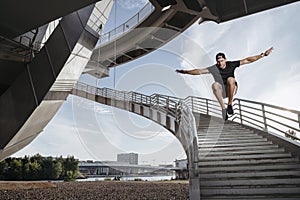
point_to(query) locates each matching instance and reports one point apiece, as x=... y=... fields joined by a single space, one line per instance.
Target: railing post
x=240 y=109
x=167 y=104
x=264 y=118
x=207 y=110
x=299 y=119
x=192 y=104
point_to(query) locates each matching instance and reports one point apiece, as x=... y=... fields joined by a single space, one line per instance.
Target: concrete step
x=251 y=197
x=271 y=191
x=228 y=137
x=226 y=134
x=238 y=148
x=246 y=162
x=247 y=168
x=241 y=152
x=233 y=141
x=249 y=182
x=232 y=145
x=221 y=128
x=224 y=131
x=214 y=123
x=257 y=174
x=244 y=157
x=217 y=124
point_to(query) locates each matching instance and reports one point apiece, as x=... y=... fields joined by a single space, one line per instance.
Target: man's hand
x=268 y=51
x=180 y=71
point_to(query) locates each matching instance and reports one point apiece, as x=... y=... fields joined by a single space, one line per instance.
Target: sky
x=93 y=131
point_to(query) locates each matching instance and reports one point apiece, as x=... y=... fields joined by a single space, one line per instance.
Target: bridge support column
x=194 y=188
x=168 y=122
x=159 y=117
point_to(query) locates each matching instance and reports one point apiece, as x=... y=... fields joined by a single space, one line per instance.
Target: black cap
x=222 y=55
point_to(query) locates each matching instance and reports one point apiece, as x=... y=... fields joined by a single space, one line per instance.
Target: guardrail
x=203 y=105
x=128 y=25
x=94 y=23
x=265 y=117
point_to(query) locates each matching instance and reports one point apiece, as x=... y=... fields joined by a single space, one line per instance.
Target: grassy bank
x=97 y=190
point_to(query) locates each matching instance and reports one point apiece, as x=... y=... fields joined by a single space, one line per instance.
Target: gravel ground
x=101 y=190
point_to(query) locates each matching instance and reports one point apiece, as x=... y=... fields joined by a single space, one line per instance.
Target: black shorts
x=224 y=88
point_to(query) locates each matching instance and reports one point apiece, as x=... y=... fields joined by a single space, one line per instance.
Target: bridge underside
x=32 y=90
x=161 y=26
x=27 y=88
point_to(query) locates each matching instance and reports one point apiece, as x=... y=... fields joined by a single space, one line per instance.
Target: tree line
x=39 y=168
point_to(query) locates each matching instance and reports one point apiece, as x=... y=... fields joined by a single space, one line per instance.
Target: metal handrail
x=266 y=117
x=272 y=118
x=128 y=25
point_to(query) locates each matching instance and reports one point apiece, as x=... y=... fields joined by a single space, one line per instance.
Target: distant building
x=181 y=169
x=166 y=165
x=113 y=168
x=130 y=158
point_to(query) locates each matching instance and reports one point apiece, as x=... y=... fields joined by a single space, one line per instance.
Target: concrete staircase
x=238 y=163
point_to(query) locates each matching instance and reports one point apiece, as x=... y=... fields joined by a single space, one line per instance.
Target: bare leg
x=230 y=89
x=217 y=89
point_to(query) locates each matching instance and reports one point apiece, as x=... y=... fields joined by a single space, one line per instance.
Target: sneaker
x=224 y=114
x=229 y=110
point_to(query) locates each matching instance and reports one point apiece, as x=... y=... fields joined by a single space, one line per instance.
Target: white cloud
x=132 y=4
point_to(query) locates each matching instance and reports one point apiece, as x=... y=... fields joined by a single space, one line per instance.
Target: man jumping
x=225 y=84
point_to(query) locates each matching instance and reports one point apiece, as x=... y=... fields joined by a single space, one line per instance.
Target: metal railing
x=128 y=25
x=163 y=103
x=203 y=106
x=267 y=117
x=31 y=47
x=28 y=39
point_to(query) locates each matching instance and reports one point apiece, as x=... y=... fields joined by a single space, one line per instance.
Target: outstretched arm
x=193 y=71
x=255 y=58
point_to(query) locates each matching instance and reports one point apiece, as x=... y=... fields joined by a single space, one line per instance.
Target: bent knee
x=231 y=81
x=216 y=86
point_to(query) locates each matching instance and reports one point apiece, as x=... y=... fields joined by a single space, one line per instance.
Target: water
x=130 y=178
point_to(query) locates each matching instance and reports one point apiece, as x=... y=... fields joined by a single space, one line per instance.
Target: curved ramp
x=171 y=113
x=168 y=19
x=227 y=160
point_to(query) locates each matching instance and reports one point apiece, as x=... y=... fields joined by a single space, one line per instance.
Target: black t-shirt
x=221 y=75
